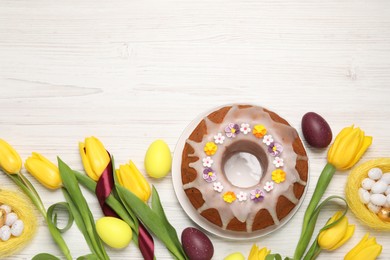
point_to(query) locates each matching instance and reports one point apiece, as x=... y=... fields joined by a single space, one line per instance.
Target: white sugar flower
x=245 y=128
x=219 y=138
x=278 y=162
x=218 y=186
x=267 y=139
x=242 y=196
x=207 y=162
x=269 y=185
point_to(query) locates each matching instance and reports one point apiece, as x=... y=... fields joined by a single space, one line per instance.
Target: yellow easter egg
x=114 y=232
x=158 y=159
x=235 y=256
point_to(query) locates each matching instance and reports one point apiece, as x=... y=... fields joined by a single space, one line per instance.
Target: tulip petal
x=369 y=253
x=253 y=252
x=44 y=171
x=87 y=166
x=330 y=237
x=10 y=160
x=97 y=155
x=347 y=236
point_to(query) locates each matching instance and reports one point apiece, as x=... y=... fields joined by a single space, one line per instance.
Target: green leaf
x=45 y=256
x=52 y=215
x=152 y=221
x=88 y=257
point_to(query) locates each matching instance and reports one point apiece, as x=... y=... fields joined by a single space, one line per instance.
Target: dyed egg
x=378 y=199
x=375 y=173
x=384 y=214
x=11 y=218
x=373 y=208
x=158 y=159
x=196 y=244
x=379 y=187
x=5 y=233
x=386 y=178
x=316 y=130
x=17 y=228
x=235 y=256
x=6 y=208
x=364 y=196
x=367 y=183
x=114 y=232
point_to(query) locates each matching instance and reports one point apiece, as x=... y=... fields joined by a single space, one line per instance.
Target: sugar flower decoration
x=269 y=185
x=218 y=186
x=242 y=196
x=210 y=148
x=275 y=148
x=229 y=197
x=245 y=128
x=219 y=138
x=259 y=131
x=209 y=175
x=278 y=162
x=232 y=130
x=207 y=161
x=278 y=176
x=257 y=195
x=267 y=139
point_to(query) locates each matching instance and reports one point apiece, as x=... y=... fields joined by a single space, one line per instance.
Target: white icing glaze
x=246 y=210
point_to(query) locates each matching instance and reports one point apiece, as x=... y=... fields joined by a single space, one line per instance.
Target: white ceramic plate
x=193 y=213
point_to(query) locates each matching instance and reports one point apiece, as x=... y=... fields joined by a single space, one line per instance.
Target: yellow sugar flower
x=210 y=148
x=259 y=131
x=229 y=197
x=278 y=176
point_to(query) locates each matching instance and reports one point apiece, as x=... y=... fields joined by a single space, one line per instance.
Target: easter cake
x=272 y=192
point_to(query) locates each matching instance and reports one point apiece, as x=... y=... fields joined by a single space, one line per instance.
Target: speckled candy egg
x=379 y=187
x=196 y=244
x=375 y=173
x=11 y=218
x=17 y=228
x=364 y=196
x=5 y=233
x=386 y=178
x=367 y=183
x=378 y=199
x=6 y=207
x=373 y=208
x=387 y=192
x=316 y=130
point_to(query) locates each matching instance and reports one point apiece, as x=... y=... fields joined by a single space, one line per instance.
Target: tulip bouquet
x=126 y=193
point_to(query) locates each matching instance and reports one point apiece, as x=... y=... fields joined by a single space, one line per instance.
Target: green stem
x=322 y=183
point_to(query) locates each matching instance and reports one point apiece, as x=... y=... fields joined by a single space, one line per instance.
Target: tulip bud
x=258 y=254
x=366 y=249
x=44 y=171
x=335 y=236
x=349 y=145
x=132 y=179
x=94 y=156
x=10 y=160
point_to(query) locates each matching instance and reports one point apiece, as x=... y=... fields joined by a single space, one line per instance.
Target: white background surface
x=130 y=72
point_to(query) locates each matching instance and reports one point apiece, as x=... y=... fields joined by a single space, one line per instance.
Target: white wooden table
x=130 y=72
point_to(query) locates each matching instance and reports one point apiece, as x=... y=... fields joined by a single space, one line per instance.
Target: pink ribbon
x=104 y=187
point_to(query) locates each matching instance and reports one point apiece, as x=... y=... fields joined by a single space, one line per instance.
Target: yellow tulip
x=335 y=236
x=366 y=249
x=132 y=179
x=94 y=156
x=258 y=254
x=348 y=147
x=10 y=160
x=44 y=171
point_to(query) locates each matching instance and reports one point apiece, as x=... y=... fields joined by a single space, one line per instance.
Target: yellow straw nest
x=351 y=191
x=23 y=207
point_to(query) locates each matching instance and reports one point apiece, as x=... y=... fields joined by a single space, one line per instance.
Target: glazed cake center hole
x=244 y=164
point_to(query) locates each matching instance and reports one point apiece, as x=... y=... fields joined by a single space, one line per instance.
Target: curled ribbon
x=104 y=187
